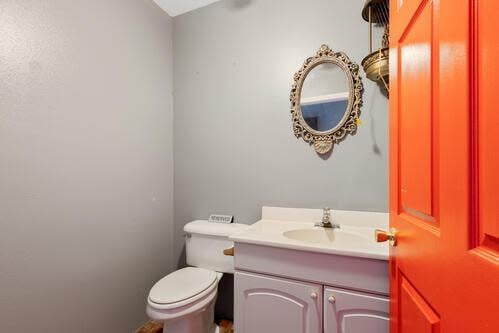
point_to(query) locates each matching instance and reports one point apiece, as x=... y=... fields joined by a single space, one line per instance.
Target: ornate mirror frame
x=323 y=141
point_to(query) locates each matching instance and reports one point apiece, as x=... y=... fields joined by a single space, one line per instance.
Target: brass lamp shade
x=376 y=66
x=376 y=63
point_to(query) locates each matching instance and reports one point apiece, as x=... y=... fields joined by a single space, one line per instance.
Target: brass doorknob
x=383 y=236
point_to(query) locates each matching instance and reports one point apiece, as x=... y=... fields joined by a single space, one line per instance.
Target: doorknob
x=383 y=236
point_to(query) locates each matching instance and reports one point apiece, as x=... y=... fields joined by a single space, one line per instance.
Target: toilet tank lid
x=203 y=227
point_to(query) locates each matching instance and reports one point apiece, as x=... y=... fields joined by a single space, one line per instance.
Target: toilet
x=184 y=301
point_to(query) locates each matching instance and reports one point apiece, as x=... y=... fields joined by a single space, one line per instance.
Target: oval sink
x=324 y=236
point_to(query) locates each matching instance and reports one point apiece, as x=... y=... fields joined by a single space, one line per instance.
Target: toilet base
x=201 y=321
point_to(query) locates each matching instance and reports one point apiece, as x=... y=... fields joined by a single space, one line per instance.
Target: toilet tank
x=205 y=242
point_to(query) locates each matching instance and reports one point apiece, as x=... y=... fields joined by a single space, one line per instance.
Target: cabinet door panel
x=268 y=304
x=354 y=312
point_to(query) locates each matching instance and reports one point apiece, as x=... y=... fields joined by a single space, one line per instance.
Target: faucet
x=326 y=220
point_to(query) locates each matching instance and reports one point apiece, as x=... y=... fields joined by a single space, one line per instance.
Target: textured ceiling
x=177 y=7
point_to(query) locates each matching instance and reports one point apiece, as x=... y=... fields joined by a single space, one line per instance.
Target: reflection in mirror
x=324 y=97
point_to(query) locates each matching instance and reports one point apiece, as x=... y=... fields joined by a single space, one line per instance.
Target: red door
x=444 y=166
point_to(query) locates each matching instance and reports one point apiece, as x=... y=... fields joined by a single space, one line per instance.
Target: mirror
x=326 y=99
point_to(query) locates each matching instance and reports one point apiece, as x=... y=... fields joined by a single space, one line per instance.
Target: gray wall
x=86 y=168
x=234 y=148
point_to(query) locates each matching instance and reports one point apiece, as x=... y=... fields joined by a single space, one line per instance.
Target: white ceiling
x=177 y=7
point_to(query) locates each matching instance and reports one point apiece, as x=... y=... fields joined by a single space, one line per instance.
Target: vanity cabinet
x=354 y=312
x=287 y=291
x=269 y=304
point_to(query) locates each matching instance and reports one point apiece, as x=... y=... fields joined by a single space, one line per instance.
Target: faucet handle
x=326 y=214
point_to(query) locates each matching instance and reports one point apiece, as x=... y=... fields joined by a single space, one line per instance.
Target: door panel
x=415 y=114
x=267 y=304
x=416 y=315
x=487 y=80
x=354 y=312
x=444 y=134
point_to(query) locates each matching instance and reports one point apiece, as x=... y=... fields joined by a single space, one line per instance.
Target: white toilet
x=184 y=300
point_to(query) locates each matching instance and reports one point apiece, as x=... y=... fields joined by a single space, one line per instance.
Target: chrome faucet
x=326 y=220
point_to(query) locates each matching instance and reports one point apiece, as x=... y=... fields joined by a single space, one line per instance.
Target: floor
x=152 y=327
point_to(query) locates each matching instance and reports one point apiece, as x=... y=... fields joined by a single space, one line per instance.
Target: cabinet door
x=355 y=312
x=269 y=304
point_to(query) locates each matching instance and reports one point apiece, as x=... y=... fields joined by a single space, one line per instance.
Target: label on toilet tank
x=221 y=218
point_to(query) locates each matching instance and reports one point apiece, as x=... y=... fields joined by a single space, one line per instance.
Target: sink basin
x=324 y=236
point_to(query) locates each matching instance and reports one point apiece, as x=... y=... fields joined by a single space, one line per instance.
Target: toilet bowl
x=184 y=301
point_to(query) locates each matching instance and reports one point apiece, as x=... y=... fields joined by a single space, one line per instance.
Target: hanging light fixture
x=376 y=63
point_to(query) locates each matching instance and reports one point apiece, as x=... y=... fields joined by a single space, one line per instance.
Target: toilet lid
x=181 y=285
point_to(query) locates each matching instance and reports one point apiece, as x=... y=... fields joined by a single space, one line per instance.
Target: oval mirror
x=326 y=99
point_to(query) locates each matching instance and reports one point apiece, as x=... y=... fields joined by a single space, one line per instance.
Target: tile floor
x=152 y=327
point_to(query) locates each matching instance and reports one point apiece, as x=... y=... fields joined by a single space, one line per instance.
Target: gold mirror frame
x=323 y=141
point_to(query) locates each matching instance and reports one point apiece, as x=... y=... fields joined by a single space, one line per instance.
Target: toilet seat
x=183 y=287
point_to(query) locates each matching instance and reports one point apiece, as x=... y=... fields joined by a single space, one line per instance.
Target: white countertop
x=294 y=229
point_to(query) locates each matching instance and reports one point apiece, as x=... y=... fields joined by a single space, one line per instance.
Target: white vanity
x=293 y=277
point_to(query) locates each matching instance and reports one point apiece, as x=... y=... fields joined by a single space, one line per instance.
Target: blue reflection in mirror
x=324 y=116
